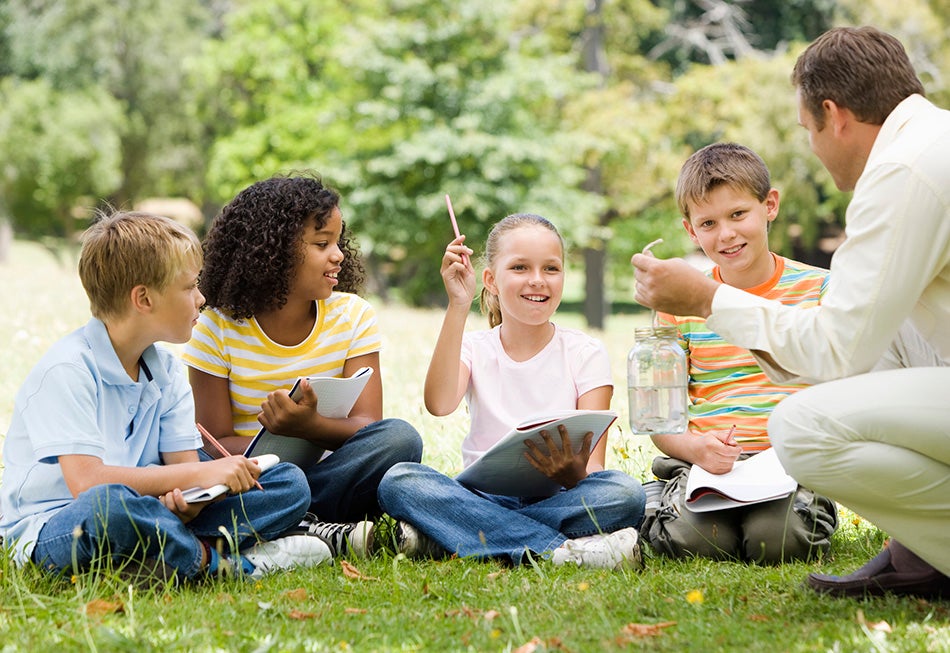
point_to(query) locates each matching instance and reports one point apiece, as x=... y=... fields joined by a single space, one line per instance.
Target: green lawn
x=393 y=604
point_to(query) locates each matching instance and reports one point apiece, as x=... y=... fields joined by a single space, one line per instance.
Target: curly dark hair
x=254 y=245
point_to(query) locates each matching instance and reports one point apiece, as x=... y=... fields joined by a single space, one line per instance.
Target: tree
x=132 y=50
x=397 y=104
x=59 y=148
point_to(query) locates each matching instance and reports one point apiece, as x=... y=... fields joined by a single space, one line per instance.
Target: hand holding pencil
x=206 y=434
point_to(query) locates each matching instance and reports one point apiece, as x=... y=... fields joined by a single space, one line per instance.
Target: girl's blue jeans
x=472 y=523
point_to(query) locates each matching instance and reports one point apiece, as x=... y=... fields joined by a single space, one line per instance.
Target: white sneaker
x=413 y=543
x=286 y=553
x=617 y=550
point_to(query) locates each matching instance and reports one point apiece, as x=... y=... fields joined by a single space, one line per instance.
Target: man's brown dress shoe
x=895 y=569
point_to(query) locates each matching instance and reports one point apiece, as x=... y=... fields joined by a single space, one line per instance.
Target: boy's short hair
x=721 y=163
x=125 y=249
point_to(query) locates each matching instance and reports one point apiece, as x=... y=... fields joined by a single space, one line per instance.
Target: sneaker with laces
x=354 y=537
x=412 y=543
x=287 y=552
x=617 y=550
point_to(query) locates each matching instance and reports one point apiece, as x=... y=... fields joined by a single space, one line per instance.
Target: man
x=877 y=441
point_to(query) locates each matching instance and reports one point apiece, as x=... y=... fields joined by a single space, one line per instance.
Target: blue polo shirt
x=79 y=400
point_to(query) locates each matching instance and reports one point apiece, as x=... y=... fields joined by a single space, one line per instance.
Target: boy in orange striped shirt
x=724 y=193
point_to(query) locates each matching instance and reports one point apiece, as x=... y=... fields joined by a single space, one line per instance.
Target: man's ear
x=836 y=117
x=488 y=280
x=141 y=298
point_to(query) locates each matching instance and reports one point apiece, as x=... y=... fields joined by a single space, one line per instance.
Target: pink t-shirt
x=503 y=393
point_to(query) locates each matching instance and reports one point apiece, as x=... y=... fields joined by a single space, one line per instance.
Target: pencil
x=729 y=438
x=455 y=224
x=217 y=445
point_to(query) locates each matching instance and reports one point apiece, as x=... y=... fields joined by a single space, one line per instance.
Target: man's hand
x=673 y=286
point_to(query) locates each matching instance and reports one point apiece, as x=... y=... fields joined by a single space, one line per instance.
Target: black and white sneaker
x=354 y=538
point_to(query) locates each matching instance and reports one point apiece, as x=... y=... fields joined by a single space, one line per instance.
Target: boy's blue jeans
x=114 y=521
x=471 y=523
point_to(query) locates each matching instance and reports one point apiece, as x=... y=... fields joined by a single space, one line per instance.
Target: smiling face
x=527 y=275
x=731 y=226
x=316 y=274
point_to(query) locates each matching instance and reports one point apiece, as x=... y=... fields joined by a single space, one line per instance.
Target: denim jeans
x=343 y=485
x=475 y=524
x=116 y=522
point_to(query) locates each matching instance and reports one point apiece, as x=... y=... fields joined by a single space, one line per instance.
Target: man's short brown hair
x=859 y=68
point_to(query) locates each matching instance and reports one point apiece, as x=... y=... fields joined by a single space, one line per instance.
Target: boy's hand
x=281 y=414
x=237 y=472
x=458 y=275
x=718 y=452
x=560 y=464
x=176 y=503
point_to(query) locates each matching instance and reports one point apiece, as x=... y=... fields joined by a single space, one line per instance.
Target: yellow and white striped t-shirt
x=255 y=365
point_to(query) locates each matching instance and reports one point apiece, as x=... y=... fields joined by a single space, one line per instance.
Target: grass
x=392 y=604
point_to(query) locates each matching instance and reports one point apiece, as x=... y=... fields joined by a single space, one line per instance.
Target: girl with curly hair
x=280 y=277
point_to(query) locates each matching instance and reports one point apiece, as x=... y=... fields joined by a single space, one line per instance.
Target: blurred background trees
x=581 y=110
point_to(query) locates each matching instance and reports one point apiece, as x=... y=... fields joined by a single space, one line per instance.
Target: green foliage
x=131 y=50
x=61 y=148
x=412 y=101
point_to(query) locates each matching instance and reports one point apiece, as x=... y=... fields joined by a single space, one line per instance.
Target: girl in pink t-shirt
x=524 y=365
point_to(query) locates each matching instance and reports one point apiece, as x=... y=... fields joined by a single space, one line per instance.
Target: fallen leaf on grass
x=646 y=630
x=350 y=571
x=758 y=617
x=100 y=607
x=300 y=616
x=529 y=647
x=299 y=594
x=491 y=614
x=874 y=626
x=355 y=610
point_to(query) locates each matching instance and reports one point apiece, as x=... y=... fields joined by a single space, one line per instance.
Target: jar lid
x=641 y=333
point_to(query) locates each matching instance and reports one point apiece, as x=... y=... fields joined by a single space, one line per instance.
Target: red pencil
x=455 y=225
x=217 y=445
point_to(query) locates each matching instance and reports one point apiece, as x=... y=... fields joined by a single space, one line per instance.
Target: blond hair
x=720 y=164
x=487 y=301
x=123 y=249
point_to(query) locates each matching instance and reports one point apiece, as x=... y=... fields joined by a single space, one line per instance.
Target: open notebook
x=756 y=479
x=335 y=398
x=199 y=494
x=503 y=469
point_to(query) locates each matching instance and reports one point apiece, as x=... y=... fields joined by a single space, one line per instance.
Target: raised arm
x=447 y=378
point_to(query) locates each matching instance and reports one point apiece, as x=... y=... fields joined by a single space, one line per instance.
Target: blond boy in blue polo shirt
x=103 y=437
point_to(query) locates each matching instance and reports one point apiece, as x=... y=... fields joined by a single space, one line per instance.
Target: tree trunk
x=595 y=252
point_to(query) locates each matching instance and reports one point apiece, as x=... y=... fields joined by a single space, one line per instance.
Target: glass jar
x=657 y=382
